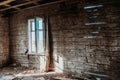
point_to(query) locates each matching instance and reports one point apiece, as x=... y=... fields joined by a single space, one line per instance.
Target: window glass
x=33 y=25
x=33 y=42
x=39 y=23
x=36 y=35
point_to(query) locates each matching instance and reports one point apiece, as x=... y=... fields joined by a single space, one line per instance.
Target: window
x=36 y=35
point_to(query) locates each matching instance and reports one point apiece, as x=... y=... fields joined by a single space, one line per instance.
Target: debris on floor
x=23 y=73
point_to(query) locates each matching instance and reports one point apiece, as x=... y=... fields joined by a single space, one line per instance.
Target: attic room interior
x=59 y=39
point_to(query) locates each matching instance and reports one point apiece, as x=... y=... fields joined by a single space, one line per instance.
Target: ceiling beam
x=46 y=4
x=6 y=2
x=7 y=5
x=22 y=4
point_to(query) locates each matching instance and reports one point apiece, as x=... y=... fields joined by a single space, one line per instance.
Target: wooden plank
x=7 y=5
x=50 y=3
x=6 y=2
x=22 y=4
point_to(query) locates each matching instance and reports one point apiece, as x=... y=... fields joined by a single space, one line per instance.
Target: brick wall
x=85 y=41
x=4 y=41
x=19 y=37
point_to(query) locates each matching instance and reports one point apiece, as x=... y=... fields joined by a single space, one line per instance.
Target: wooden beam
x=6 y=2
x=50 y=3
x=22 y=4
x=7 y=5
x=17 y=8
x=35 y=3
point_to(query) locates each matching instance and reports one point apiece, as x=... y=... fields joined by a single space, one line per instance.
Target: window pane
x=39 y=23
x=40 y=42
x=36 y=35
x=33 y=46
x=33 y=25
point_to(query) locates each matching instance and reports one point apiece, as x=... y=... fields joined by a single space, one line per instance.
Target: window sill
x=37 y=54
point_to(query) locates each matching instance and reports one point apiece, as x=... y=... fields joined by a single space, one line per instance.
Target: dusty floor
x=22 y=73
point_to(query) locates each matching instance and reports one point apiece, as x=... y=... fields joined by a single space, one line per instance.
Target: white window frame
x=37 y=38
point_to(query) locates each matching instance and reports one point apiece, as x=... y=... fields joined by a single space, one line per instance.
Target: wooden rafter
x=7 y=5
x=6 y=2
x=22 y=4
x=50 y=3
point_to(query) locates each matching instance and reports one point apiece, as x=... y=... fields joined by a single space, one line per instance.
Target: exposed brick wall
x=81 y=47
x=4 y=41
x=19 y=37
